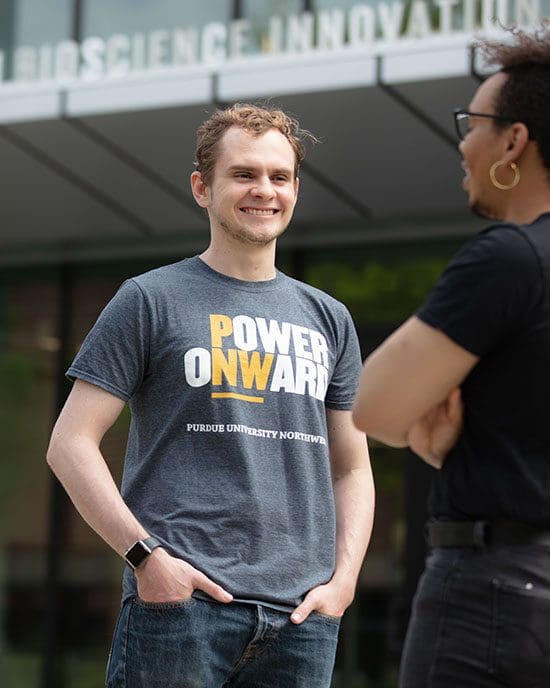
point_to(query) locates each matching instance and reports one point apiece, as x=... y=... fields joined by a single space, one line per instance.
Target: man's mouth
x=263 y=212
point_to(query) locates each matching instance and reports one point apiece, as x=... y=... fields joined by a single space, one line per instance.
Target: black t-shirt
x=494 y=300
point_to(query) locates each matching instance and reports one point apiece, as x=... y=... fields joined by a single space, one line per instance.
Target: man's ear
x=200 y=190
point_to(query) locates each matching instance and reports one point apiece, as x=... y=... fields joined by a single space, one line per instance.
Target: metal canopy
x=92 y=170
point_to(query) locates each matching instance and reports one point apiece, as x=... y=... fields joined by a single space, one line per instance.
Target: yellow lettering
x=224 y=366
x=220 y=326
x=254 y=369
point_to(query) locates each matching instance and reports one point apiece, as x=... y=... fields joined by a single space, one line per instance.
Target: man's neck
x=254 y=264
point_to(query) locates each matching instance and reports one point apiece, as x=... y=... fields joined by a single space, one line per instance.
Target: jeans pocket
x=164 y=606
x=327 y=617
x=520 y=648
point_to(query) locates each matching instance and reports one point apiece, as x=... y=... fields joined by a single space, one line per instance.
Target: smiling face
x=254 y=189
x=484 y=145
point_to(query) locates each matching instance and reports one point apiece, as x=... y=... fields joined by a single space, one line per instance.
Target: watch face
x=137 y=554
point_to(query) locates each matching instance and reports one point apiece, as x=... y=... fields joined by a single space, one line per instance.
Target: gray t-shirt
x=227 y=462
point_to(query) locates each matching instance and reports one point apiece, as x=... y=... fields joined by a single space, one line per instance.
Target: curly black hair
x=525 y=96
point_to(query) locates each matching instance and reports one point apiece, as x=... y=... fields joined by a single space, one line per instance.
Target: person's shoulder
x=163 y=276
x=502 y=243
x=537 y=233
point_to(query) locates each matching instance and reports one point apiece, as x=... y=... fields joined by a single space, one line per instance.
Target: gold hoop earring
x=494 y=180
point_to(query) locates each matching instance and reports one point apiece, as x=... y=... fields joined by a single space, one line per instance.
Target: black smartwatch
x=139 y=551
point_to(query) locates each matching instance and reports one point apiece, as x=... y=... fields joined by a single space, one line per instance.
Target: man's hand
x=331 y=599
x=163 y=578
x=436 y=433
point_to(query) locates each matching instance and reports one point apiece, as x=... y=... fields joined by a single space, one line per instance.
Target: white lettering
x=502 y=12
x=214 y=43
x=487 y=15
x=446 y=15
x=283 y=375
x=322 y=382
x=138 y=51
x=199 y=427
x=275 y=35
x=418 y=25
x=300 y=338
x=361 y=25
x=244 y=333
x=306 y=374
x=493 y=14
x=158 y=49
x=197 y=366
x=527 y=12
x=319 y=348
x=299 y=32
x=391 y=19
x=24 y=64
x=330 y=29
x=274 y=337
x=93 y=55
x=117 y=59
x=239 y=31
x=469 y=15
x=45 y=62
x=67 y=56
x=185 y=48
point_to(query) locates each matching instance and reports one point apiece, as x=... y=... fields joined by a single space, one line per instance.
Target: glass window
x=105 y=17
x=261 y=14
x=143 y=34
x=28 y=32
x=344 y=5
x=47 y=21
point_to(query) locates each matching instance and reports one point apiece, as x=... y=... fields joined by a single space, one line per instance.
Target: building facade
x=99 y=102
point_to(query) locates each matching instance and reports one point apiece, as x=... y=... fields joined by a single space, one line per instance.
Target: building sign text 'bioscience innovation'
x=360 y=26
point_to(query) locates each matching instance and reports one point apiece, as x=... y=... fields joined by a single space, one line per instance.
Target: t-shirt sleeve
x=114 y=355
x=345 y=378
x=486 y=291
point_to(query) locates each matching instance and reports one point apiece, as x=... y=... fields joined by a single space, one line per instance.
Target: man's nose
x=263 y=187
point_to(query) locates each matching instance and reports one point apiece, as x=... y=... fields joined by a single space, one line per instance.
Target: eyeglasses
x=462 y=121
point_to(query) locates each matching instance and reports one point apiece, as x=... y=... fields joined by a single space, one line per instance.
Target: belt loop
x=480 y=533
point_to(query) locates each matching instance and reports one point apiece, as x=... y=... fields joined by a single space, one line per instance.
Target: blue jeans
x=202 y=644
x=481 y=619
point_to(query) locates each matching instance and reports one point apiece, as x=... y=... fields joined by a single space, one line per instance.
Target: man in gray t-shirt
x=247 y=499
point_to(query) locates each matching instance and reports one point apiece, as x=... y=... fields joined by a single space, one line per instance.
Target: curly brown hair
x=525 y=96
x=255 y=120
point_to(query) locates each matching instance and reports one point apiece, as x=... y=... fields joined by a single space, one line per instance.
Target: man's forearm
x=83 y=472
x=354 y=501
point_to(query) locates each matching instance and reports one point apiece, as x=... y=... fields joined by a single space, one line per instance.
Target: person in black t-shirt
x=465 y=383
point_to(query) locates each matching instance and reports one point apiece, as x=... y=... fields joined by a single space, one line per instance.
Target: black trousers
x=480 y=619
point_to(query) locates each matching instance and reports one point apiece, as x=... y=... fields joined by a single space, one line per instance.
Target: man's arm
x=412 y=372
x=74 y=456
x=354 y=501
